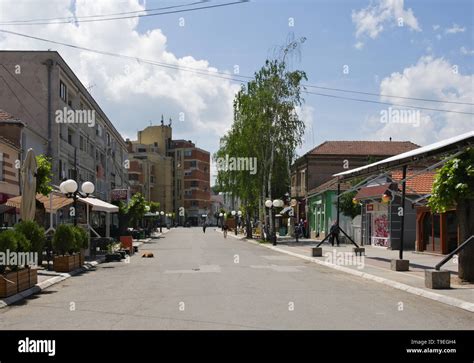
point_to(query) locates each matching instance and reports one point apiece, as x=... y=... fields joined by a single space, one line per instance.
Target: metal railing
x=448 y=257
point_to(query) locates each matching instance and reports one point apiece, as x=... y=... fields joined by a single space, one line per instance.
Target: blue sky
x=249 y=33
x=413 y=60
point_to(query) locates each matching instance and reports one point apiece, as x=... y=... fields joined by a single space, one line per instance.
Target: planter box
x=66 y=263
x=18 y=281
x=127 y=243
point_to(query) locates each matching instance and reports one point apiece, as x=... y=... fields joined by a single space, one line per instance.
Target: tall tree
x=266 y=127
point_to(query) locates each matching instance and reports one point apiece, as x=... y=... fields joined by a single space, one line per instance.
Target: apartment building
x=41 y=90
x=150 y=174
x=192 y=187
x=156 y=156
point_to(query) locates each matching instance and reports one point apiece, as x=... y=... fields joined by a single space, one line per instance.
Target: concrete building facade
x=44 y=93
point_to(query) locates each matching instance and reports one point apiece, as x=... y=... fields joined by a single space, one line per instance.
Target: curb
x=465 y=305
x=45 y=284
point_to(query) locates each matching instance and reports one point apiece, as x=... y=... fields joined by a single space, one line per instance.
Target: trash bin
x=282 y=231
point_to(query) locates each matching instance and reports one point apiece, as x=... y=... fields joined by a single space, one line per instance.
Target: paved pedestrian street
x=203 y=281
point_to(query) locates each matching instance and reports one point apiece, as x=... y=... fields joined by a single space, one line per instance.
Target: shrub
x=64 y=239
x=82 y=239
x=15 y=242
x=33 y=233
x=8 y=241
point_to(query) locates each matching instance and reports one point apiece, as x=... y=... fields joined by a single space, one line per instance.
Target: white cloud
x=359 y=45
x=455 y=29
x=130 y=91
x=466 y=51
x=430 y=78
x=436 y=27
x=370 y=20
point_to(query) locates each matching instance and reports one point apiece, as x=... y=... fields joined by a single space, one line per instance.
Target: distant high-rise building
x=175 y=173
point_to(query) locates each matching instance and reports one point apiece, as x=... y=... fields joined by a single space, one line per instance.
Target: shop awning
x=99 y=205
x=372 y=191
x=58 y=202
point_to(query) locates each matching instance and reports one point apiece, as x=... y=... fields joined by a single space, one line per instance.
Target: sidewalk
x=46 y=279
x=375 y=266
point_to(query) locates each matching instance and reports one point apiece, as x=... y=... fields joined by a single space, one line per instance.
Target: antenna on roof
x=162 y=120
x=390 y=138
x=170 y=122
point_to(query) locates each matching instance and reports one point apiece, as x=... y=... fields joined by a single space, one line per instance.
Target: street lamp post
x=277 y=203
x=221 y=215
x=239 y=220
x=235 y=220
x=71 y=190
x=161 y=220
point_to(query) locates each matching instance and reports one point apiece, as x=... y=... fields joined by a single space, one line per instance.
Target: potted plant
x=15 y=274
x=35 y=234
x=64 y=246
x=112 y=254
x=82 y=242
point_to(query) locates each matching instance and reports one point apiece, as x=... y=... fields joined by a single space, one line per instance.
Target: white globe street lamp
x=88 y=188
x=71 y=190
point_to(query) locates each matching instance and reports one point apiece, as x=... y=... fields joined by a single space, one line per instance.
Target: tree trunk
x=465 y=214
x=270 y=210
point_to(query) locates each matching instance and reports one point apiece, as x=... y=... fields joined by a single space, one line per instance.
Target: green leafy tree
x=266 y=127
x=136 y=208
x=154 y=207
x=454 y=187
x=43 y=175
x=347 y=205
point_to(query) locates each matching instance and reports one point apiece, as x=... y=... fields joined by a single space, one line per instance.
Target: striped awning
x=58 y=201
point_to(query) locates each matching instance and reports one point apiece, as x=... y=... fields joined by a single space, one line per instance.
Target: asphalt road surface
x=203 y=281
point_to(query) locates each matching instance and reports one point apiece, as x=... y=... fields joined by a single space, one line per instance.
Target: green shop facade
x=322 y=209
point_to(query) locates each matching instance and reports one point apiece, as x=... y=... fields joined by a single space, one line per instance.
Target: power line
x=217 y=74
x=385 y=103
x=133 y=16
x=383 y=95
x=69 y=18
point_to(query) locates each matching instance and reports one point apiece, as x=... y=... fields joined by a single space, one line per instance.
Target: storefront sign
x=119 y=194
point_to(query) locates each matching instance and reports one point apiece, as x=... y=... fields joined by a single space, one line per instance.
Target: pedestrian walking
x=225 y=229
x=204 y=226
x=334 y=233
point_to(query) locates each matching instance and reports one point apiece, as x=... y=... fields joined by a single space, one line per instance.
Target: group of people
x=300 y=230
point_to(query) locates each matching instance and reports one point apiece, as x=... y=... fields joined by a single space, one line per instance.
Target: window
x=141 y=150
x=71 y=174
x=1 y=167
x=82 y=144
x=194 y=183
x=188 y=152
x=108 y=139
x=193 y=163
x=132 y=176
x=70 y=135
x=98 y=131
x=63 y=91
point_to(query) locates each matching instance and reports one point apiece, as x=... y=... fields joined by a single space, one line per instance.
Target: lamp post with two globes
x=277 y=203
x=71 y=190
